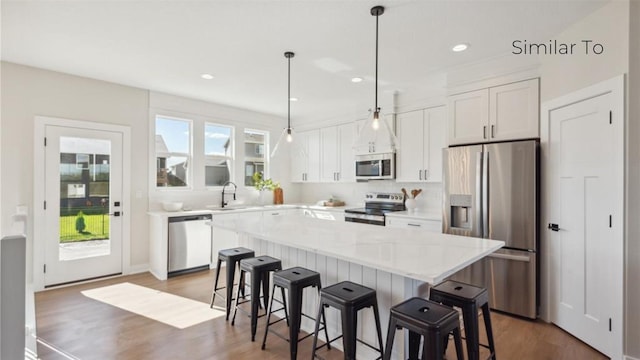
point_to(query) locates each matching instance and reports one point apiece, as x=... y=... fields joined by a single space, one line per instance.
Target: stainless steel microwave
x=376 y=167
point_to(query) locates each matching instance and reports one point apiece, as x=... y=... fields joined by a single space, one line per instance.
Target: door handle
x=416 y=225
x=492 y=131
x=484 y=132
x=426 y=174
x=510 y=257
x=553 y=227
x=420 y=174
x=115 y=213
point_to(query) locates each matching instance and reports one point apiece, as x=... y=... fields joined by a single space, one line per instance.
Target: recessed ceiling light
x=460 y=47
x=293 y=99
x=356 y=79
x=206 y=76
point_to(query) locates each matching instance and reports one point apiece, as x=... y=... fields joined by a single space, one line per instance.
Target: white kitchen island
x=397 y=262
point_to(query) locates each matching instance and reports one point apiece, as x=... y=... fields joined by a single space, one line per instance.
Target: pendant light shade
x=376 y=129
x=287 y=133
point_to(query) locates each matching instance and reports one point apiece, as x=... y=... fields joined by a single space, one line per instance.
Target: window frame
x=267 y=163
x=189 y=156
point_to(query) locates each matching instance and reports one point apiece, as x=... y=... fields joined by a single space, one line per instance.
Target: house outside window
x=218 y=154
x=173 y=152
x=255 y=150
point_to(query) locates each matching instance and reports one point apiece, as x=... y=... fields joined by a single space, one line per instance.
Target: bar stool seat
x=428 y=319
x=259 y=268
x=469 y=298
x=231 y=257
x=349 y=298
x=294 y=280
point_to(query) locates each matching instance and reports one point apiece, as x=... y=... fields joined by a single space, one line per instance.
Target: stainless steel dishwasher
x=189 y=244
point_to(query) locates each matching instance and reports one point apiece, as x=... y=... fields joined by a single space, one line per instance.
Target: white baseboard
x=136 y=269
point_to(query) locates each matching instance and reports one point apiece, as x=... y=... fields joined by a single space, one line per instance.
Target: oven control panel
x=391 y=198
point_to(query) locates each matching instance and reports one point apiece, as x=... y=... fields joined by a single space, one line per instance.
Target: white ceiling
x=166 y=45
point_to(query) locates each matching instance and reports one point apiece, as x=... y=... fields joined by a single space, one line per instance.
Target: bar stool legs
x=295 y=280
x=428 y=319
x=231 y=257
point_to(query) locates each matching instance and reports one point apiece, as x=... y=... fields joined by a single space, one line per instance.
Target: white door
x=585 y=233
x=468 y=117
x=83 y=202
x=329 y=154
x=435 y=123
x=347 y=160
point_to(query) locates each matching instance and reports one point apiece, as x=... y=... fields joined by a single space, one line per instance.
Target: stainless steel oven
x=376 y=166
x=376 y=205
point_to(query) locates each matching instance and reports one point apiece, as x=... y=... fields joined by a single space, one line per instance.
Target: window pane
x=254 y=150
x=218 y=153
x=172 y=151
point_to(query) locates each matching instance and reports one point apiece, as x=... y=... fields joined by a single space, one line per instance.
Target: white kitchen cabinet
x=422 y=135
x=333 y=215
x=514 y=110
x=305 y=160
x=426 y=225
x=370 y=141
x=337 y=159
x=506 y=112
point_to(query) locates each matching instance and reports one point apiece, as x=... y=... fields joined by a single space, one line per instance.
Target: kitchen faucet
x=235 y=188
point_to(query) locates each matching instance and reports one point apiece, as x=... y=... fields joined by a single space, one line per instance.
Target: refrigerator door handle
x=477 y=210
x=485 y=194
x=510 y=257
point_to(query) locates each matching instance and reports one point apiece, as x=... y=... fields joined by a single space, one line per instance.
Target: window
x=218 y=154
x=173 y=152
x=255 y=158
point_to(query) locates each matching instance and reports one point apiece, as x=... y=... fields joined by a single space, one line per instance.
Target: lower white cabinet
x=427 y=225
x=324 y=214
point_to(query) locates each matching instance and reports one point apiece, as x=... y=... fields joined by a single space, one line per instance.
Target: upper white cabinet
x=337 y=155
x=506 y=112
x=305 y=159
x=374 y=141
x=422 y=135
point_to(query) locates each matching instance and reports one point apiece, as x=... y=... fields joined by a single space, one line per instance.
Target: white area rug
x=167 y=308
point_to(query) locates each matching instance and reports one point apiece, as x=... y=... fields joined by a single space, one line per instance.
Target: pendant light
x=369 y=133
x=287 y=133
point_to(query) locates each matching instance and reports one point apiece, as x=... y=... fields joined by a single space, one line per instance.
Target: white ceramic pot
x=411 y=205
x=266 y=197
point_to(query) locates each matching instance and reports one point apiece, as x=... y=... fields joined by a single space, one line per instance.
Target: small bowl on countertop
x=172 y=206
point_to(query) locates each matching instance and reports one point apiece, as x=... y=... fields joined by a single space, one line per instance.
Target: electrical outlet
x=22 y=210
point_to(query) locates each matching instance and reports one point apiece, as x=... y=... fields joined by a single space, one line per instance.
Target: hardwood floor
x=89 y=329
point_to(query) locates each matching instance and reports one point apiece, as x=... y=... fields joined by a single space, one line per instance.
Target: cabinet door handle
x=484 y=132
x=338 y=176
x=426 y=174
x=492 y=131
x=420 y=174
x=416 y=225
x=275 y=214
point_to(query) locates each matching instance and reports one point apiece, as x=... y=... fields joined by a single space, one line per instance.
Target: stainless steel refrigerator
x=491 y=191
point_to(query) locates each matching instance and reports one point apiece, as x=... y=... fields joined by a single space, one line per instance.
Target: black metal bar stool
x=428 y=319
x=349 y=298
x=295 y=280
x=259 y=268
x=231 y=257
x=469 y=298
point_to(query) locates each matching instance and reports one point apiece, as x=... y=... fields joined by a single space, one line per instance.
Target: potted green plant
x=265 y=186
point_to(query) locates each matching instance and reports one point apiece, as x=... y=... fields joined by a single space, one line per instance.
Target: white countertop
x=234 y=209
x=417 y=214
x=419 y=255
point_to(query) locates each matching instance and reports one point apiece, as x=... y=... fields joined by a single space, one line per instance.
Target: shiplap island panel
x=398 y=263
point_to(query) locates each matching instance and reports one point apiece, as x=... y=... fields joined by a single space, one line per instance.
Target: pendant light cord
x=289 y=93
x=376 y=102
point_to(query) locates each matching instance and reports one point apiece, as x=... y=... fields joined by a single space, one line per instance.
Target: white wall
x=632 y=347
x=27 y=92
x=610 y=26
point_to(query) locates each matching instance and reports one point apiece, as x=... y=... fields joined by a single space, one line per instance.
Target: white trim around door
x=615 y=89
x=40 y=124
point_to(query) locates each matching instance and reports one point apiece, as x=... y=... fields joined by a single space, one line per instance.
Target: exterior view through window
x=218 y=154
x=255 y=159
x=173 y=152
